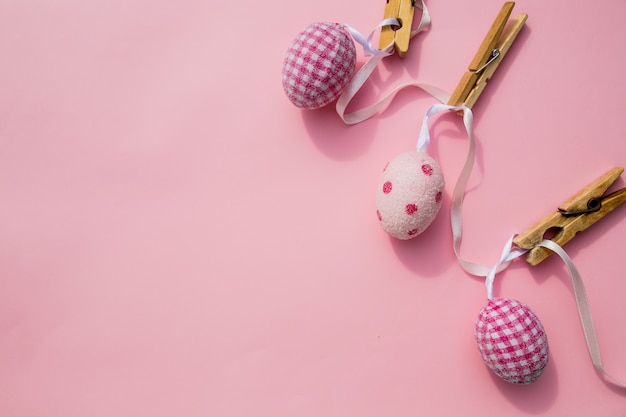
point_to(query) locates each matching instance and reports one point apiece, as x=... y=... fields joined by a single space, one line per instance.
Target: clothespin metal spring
x=494 y=55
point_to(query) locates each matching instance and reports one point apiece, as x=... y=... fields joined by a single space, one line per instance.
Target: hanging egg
x=512 y=341
x=409 y=194
x=318 y=65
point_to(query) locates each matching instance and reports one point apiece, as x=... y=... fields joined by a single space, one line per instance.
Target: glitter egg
x=409 y=194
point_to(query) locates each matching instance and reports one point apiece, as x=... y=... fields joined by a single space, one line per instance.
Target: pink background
x=178 y=240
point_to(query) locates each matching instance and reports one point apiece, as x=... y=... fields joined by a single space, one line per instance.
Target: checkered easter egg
x=318 y=65
x=409 y=194
x=511 y=341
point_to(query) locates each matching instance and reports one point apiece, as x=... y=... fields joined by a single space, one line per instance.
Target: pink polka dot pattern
x=427 y=169
x=318 y=65
x=410 y=209
x=409 y=194
x=511 y=341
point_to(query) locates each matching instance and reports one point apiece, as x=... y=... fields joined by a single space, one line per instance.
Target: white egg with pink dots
x=409 y=194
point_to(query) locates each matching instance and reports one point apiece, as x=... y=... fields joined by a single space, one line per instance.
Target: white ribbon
x=506 y=257
x=456 y=209
x=366 y=43
x=356 y=83
x=584 y=312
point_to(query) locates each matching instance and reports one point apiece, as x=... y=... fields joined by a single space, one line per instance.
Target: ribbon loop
x=359 y=79
x=366 y=43
x=456 y=209
x=506 y=257
x=508 y=252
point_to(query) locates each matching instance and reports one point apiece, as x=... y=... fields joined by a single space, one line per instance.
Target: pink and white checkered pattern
x=318 y=65
x=512 y=341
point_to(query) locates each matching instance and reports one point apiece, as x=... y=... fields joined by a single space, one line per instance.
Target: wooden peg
x=575 y=215
x=402 y=10
x=488 y=57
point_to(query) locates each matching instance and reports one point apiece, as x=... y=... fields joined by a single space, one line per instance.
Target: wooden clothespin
x=575 y=215
x=403 y=11
x=491 y=52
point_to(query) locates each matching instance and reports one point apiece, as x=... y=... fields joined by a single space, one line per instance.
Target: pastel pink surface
x=179 y=239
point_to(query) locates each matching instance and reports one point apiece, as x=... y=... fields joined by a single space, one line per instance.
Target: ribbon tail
x=584 y=312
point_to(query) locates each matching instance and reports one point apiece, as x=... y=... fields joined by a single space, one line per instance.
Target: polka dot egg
x=318 y=65
x=511 y=341
x=409 y=194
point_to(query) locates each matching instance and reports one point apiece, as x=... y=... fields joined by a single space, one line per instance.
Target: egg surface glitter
x=409 y=194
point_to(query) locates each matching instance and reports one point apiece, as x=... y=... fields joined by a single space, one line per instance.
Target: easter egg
x=409 y=194
x=318 y=65
x=511 y=341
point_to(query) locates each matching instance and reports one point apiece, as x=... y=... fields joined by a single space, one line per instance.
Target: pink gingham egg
x=318 y=65
x=409 y=194
x=511 y=341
